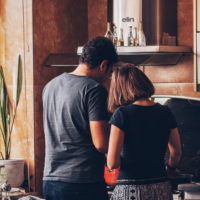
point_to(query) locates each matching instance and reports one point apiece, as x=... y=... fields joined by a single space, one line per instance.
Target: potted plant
x=14 y=168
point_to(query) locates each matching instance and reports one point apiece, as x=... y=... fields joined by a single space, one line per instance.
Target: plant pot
x=14 y=171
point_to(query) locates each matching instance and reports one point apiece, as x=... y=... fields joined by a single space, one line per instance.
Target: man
x=76 y=126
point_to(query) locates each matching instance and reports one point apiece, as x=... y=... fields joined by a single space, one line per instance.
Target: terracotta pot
x=14 y=170
x=111 y=176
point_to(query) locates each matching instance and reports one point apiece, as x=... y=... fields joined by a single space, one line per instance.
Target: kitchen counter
x=18 y=196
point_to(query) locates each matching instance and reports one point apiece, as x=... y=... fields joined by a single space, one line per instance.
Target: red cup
x=111 y=176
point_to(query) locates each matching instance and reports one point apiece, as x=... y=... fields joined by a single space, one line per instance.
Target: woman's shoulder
x=131 y=107
x=125 y=108
x=120 y=109
x=164 y=109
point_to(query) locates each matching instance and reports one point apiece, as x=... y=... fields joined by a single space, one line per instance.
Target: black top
x=69 y=103
x=147 y=130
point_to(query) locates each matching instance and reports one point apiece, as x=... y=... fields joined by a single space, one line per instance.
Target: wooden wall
x=60 y=26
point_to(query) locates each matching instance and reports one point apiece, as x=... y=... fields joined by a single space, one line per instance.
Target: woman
x=141 y=130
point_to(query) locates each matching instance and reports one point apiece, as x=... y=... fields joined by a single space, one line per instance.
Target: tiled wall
x=59 y=26
x=15 y=35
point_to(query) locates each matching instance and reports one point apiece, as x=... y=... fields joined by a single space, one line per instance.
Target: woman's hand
x=172 y=174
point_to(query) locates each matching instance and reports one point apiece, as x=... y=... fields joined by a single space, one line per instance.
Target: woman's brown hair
x=128 y=84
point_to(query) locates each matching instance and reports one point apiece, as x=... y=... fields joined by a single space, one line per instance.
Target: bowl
x=180 y=179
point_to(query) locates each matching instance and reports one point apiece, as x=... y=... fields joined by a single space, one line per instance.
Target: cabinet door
x=198 y=15
x=198 y=58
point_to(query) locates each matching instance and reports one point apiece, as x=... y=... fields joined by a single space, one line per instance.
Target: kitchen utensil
x=181 y=178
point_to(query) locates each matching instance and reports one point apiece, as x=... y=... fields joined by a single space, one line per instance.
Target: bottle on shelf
x=135 y=37
x=121 y=39
x=109 y=33
x=130 y=37
x=115 y=39
x=141 y=36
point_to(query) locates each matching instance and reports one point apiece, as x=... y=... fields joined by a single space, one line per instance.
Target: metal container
x=181 y=178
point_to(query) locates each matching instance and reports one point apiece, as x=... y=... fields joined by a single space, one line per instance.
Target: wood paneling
x=59 y=26
x=185 y=23
x=198 y=14
x=97 y=18
x=179 y=89
x=62 y=25
x=180 y=73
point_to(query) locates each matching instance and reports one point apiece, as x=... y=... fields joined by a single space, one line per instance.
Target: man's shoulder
x=52 y=83
x=89 y=85
x=79 y=81
x=97 y=89
x=54 y=80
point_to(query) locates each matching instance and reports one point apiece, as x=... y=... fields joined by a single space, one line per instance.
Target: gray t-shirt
x=69 y=103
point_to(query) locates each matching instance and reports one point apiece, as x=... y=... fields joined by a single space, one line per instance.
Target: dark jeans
x=57 y=190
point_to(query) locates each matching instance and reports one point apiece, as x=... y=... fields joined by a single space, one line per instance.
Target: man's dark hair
x=97 y=50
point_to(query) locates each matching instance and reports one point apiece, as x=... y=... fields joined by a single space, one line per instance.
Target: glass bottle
x=115 y=39
x=121 y=40
x=141 y=36
x=130 y=37
x=135 y=37
x=109 y=33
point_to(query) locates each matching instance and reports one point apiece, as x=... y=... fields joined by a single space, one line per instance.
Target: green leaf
x=1 y=157
x=3 y=92
x=19 y=80
x=7 y=111
x=4 y=108
x=6 y=126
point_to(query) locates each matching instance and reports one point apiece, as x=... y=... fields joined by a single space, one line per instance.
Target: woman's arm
x=174 y=145
x=115 y=146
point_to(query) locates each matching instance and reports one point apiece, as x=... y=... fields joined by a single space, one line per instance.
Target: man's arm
x=98 y=117
x=100 y=131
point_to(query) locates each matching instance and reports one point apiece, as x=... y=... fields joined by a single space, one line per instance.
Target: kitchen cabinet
x=198 y=58
x=196 y=44
x=198 y=15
